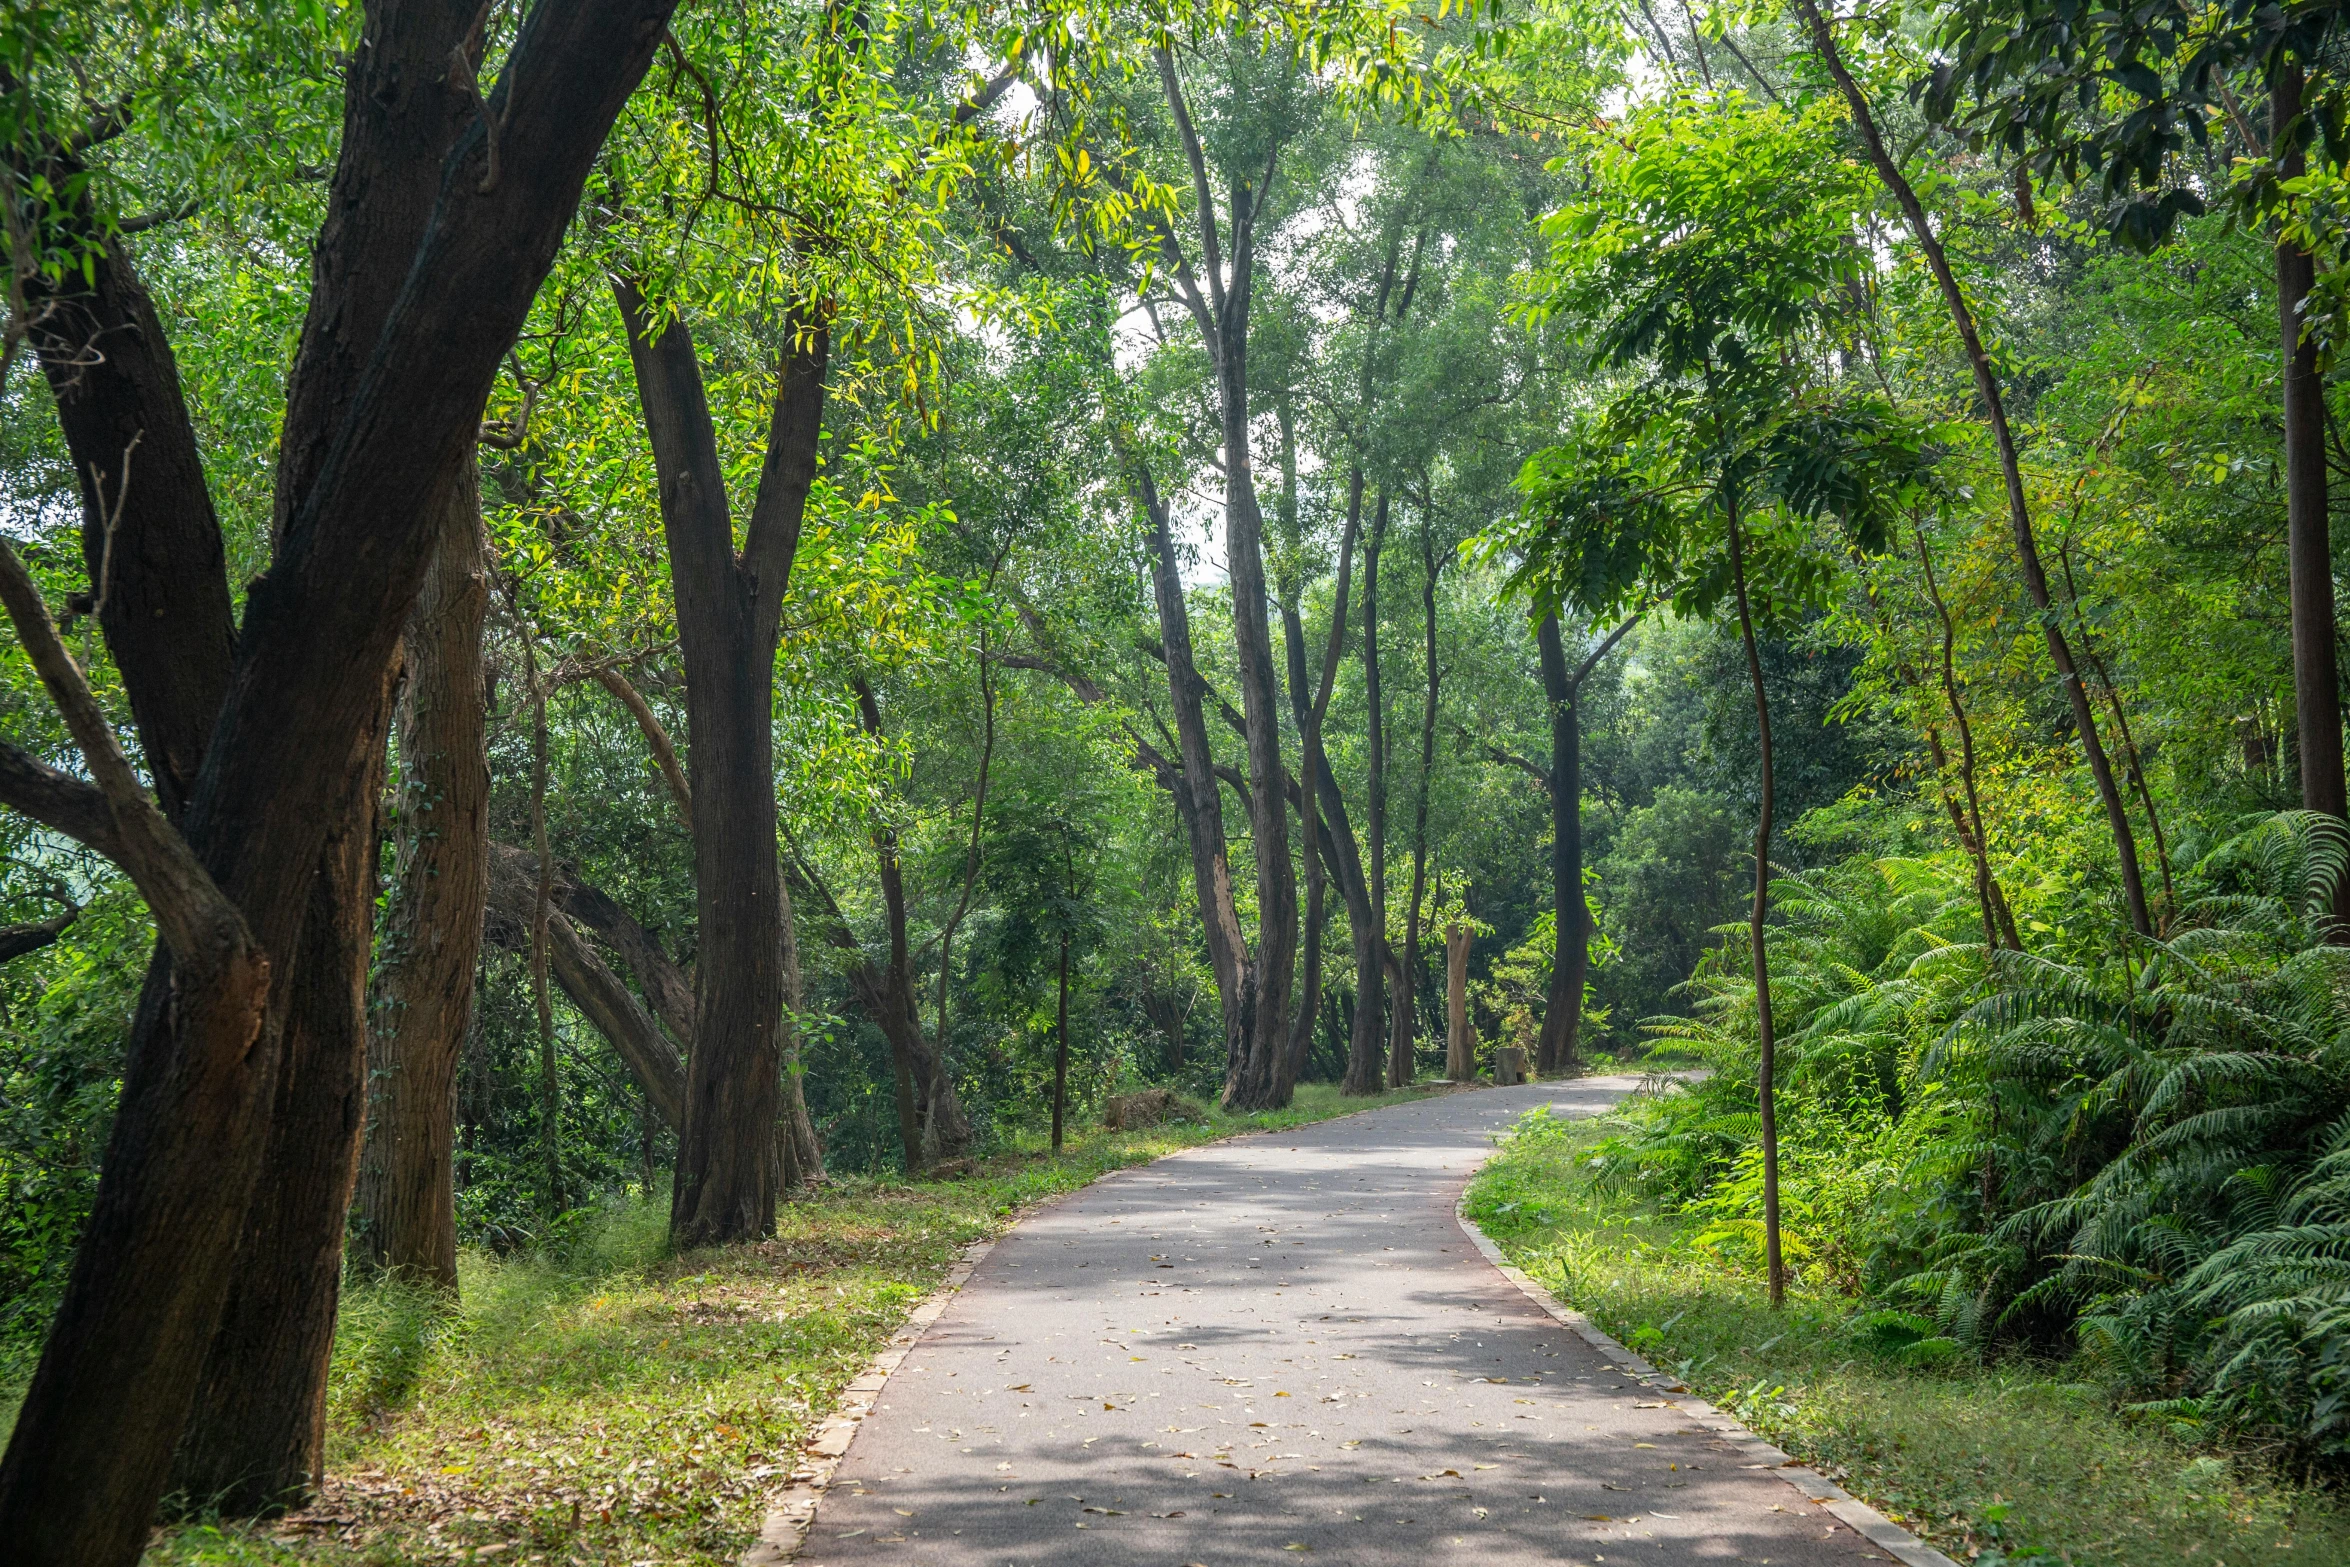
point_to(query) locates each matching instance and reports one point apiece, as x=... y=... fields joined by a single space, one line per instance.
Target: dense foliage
x=1574 y=311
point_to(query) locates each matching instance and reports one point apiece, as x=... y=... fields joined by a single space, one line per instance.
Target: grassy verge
x=2017 y=1454
x=619 y=1405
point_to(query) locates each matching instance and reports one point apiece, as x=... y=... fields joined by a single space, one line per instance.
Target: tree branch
x=196 y=920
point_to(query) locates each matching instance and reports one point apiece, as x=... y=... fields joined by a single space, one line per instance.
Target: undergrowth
x=609 y=1403
x=2026 y=1460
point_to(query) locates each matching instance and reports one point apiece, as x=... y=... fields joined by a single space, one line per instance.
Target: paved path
x=1282 y=1348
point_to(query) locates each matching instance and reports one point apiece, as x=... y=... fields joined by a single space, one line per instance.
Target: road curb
x=791 y=1510
x=1873 y=1526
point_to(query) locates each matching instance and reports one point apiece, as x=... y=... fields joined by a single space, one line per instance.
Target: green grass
x=619 y=1405
x=1944 y=1449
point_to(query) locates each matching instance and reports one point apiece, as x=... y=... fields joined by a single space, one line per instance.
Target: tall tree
x=406 y=338
x=729 y=612
x=423 y=1002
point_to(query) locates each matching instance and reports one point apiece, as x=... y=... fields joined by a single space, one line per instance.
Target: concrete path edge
x=1879 y=1530
x=792 y=1510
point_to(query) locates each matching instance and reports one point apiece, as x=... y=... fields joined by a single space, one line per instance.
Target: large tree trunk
x=255 y=1441
x=1556 y=1052
x=301 y=719
x=1309 y=992
x=407 y=1223
x=1766 y=1086
x=2309 y=554
x=729 y=608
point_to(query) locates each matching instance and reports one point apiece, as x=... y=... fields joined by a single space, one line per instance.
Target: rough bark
x=2019 y=511
x=729 y=608
x=431 y=942
x=150 y=538
x=95 y=1435
x=255 y=1442
x=2317 y=708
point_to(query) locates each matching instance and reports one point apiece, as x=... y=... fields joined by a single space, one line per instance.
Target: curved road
x=1280 y=1346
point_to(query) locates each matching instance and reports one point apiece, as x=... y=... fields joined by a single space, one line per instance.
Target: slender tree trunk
x=1197 y=800
x=2309 y=552
x=1061 y=1049
x=2133 y=766
x=940 y=1129
x=1309 y=995
x=1460 y=1047
x=1996 y=918
x=1366 y=1074
x=1400 y=1064
x=1555 y=1052
x=799 y=1155
x=1766 y=1087
x=431 y=945
x=2011 y=471
x=972 y=854
x=542 y=908
x=652 y=1060
x=1252 y=1085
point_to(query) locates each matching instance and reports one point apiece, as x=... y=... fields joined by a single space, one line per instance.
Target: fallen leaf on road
x=902 y=1512
x=1644 y=1444
x=1176 y=1514
x=1484 y=1466
x=1293 y=1546
x=1106 y=1512
x=1020 y=1388
x=1597 y=1518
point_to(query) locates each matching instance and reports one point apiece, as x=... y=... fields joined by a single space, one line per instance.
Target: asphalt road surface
x=1282 y=1348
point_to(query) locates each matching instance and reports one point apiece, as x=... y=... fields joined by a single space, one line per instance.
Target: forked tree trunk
x=431 y=946
x=1197 y=800
x=729 y=608
x=1766 y=1086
